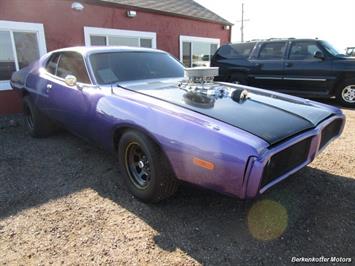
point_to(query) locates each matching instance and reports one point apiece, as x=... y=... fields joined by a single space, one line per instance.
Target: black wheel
x=38 y=125
x=346 y=93
x=145 y=168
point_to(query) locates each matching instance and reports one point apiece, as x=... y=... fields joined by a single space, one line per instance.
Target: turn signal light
x=202 y=163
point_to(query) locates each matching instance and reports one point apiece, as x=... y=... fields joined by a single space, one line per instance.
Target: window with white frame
x=105 y=36
x=21 y=43
x=197 y=51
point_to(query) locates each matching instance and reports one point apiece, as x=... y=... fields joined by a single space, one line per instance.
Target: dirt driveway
x=58 y=205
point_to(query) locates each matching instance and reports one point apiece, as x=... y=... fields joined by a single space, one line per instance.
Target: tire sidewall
x=42 y=126
x=28 y=107
x=147 y=146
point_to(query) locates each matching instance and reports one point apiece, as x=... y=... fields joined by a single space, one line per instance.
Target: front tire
x=38 y=125
x=346 y=93
x=145 y=168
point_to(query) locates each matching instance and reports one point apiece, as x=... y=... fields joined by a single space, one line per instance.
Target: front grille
x=330 y=131
x=286 y=160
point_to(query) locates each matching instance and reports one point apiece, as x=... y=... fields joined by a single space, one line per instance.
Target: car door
x=67 y=104
x=38 y=83
x=306 y=73
x=268 y=65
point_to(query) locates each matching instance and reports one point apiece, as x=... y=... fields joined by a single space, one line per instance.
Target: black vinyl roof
x=186 y=8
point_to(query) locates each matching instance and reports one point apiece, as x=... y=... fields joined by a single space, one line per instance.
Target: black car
x=304 y=67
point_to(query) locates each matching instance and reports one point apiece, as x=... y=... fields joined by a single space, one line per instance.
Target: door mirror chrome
x=319 y=55
x=70 y=80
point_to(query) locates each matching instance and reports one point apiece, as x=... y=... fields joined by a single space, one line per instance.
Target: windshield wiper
x=119 y=85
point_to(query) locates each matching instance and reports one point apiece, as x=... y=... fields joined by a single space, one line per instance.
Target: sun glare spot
x=267 y=220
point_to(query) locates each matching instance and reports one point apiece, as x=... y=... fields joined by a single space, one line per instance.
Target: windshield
x=331 y=49
x=115 y=67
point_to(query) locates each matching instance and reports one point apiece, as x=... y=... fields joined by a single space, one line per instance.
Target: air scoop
x=201 y=75
x=202 y=91
x=200 y=80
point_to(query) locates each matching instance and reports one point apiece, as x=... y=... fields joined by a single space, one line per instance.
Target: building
x=30 y=28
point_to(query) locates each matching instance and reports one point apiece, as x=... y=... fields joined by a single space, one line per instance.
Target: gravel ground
x=58 y=205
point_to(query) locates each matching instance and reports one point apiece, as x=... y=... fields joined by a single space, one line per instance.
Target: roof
x=186 y=8
x=283 y=39
x=90 y=49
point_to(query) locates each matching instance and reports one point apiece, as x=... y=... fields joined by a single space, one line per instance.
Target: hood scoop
x=202 y=92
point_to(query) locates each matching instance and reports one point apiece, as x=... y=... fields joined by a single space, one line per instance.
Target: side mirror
x=319 y=55
x=70 y=80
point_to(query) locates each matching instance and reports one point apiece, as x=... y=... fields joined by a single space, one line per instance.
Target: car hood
x=262 y=114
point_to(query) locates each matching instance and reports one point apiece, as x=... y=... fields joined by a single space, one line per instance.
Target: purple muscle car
x=167 y=124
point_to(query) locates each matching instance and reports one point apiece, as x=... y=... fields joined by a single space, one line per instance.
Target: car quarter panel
x=184 y=136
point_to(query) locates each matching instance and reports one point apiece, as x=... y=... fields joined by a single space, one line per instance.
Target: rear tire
x=146 y=170
x=38 y=125
x=346 y=93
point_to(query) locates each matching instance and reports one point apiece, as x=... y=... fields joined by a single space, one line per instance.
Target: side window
x=239 y=50
x=303 y=50
x=71 y=63
x=51 y=65
x=272 y=51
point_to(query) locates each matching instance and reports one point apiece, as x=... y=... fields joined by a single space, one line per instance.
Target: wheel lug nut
x=140 y=164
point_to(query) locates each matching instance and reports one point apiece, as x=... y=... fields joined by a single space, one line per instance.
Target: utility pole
x=242 y=24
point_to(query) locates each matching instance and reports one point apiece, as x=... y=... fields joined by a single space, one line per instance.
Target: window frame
x=15 y=26
x=232 y=47
x=295 y=42
x=48 y=59
x=286 y=44
x=106 y=32
x=54 y=76
x=192 y=39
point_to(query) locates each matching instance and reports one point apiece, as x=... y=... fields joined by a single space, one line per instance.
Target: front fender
x=184 y=136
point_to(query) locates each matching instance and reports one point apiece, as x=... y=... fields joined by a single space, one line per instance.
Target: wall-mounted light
x=77 y=6
x=131 y=13
x=226 y=27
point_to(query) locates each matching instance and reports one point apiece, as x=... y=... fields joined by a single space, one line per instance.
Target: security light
x=77 y=6
x=131 y=13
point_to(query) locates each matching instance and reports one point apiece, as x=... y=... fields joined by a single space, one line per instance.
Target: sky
x=333 y=21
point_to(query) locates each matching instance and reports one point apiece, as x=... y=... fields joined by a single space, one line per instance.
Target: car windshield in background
x=331 y=49
x=114 y=67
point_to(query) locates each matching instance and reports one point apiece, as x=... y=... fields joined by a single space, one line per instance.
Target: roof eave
x=104 y=2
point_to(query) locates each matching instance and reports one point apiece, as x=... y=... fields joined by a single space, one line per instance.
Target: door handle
x=48 y=87
x=288 y=64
